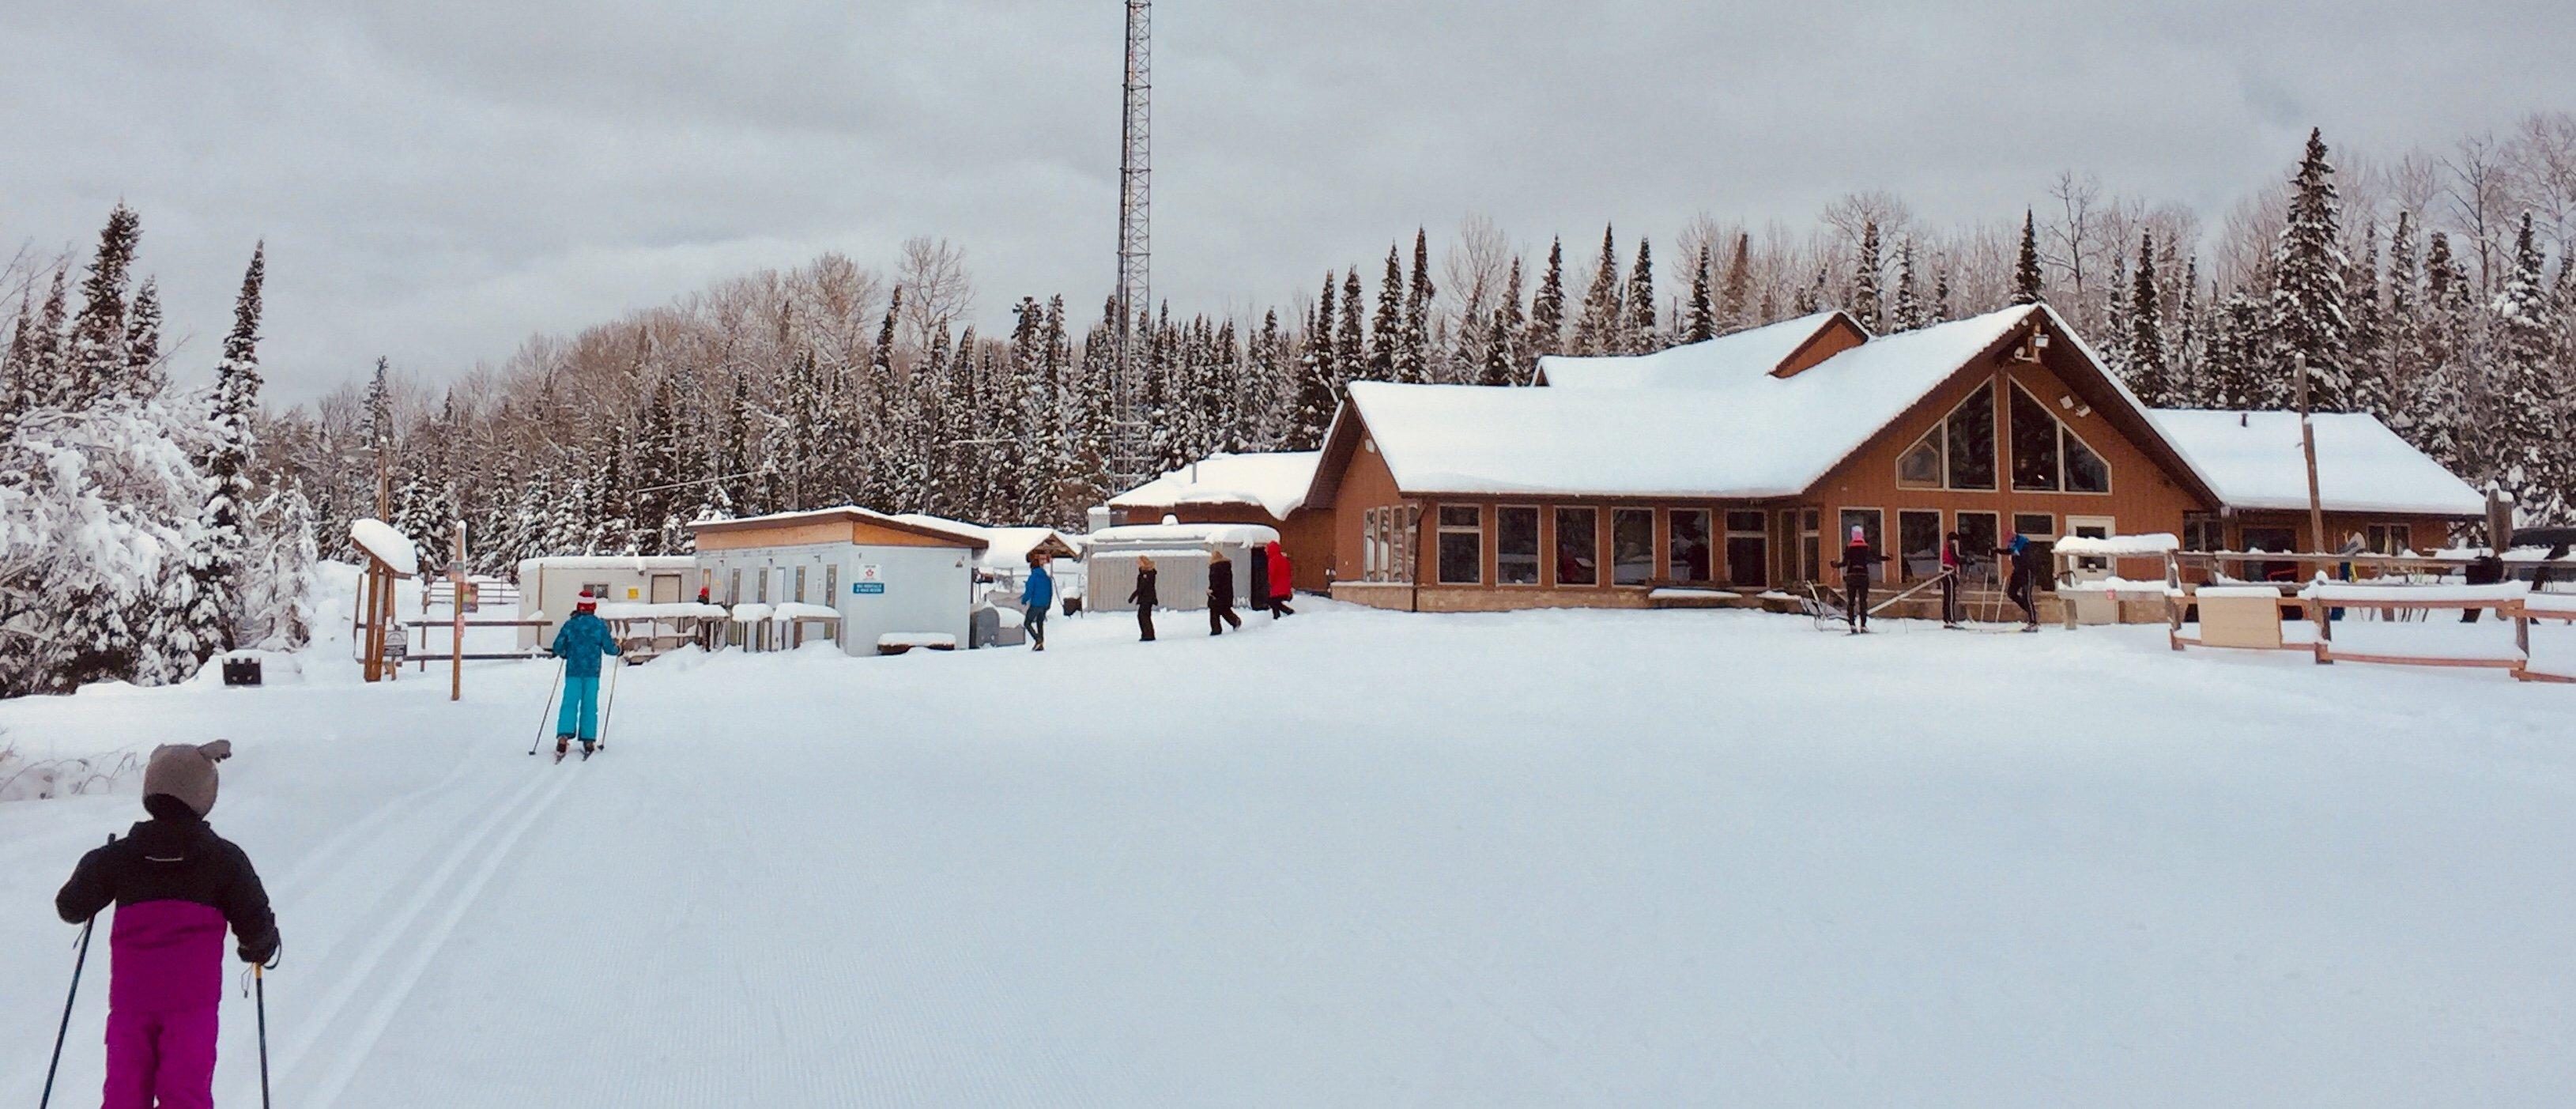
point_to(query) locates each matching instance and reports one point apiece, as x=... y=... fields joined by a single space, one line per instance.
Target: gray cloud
x=436 y=181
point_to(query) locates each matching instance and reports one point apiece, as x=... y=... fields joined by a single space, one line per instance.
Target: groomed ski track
x=1363 y=858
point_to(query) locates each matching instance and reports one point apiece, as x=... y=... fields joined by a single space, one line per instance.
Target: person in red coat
x=1282 y=582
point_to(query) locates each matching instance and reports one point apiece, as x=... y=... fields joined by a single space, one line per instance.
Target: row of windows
x=1693 y=553
x=1959 y=452
x=1692 y=547
x=792 y=582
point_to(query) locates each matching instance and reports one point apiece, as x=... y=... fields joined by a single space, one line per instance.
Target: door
x=2091 y=527
x=666 y=589
x=1748 y=550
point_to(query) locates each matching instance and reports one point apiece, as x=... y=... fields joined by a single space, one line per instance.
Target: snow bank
x=637 y=610
x=380 y=540
x=793 y=611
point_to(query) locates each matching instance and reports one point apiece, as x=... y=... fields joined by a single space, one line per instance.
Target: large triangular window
x=2047 y=456
x=1958 y=453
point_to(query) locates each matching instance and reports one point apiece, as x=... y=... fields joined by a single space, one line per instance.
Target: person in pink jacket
x=176 y=886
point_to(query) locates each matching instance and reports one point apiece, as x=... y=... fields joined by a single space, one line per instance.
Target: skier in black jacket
x=1856 y=564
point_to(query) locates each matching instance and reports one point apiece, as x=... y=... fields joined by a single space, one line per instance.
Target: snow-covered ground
x=1361 y=858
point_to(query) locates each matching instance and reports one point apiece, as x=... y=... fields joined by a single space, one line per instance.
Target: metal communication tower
x=1129 y=459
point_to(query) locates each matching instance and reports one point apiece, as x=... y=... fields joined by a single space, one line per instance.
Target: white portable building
x=785 y=576
x=1181 y=554
x=549 y=586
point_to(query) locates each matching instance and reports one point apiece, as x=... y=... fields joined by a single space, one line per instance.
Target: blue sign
x=863 y=588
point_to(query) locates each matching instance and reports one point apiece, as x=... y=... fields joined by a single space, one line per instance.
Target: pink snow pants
x=162 y=1058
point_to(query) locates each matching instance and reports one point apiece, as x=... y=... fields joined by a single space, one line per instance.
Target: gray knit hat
x=187 y=772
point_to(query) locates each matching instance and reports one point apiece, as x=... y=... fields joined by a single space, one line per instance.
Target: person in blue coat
x=1035 y=595
x=581 y=643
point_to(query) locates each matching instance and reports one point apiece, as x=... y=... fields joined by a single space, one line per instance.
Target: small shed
x=549 y=586
x=878 y=574
x=1181 y=554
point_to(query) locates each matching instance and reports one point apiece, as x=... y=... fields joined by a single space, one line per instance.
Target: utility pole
x=1127 y=461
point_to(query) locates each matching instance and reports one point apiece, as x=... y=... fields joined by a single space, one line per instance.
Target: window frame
x=1538 y=547
x=1591 y=531
x=1646 y=582
x=2065 y=431
x=2097 y=566
x=1980 y=553
x=1443 y=531
x=2403 y=538
x=1369 y=558
x=1994 y=443
x=1726 y=544
x=2050 y=534
x=1905 y=568
x=1708 y=545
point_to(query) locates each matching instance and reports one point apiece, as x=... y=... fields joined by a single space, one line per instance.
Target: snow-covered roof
x=1277 y=482
x=1727 y=435
x=1747 y=353
x=1251 y=535
x=385 y=545
x=635 y=564
x=841 y=512
x=1004 y=546
x=2253 y=460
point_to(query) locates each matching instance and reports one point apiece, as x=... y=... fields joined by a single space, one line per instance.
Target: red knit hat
x=586 y=602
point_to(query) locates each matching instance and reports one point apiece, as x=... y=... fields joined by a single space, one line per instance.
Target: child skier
x=176 y=885
x=580 y=643
x=1856 y=563
x=1035 y=595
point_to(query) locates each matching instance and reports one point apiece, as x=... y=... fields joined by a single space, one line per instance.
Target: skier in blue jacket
x=1035 y=595
x=581 y=642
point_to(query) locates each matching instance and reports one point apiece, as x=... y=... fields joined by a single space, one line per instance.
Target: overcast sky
x=437 y=180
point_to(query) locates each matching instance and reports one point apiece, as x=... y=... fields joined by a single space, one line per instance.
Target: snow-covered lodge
x=1743 y=461
x=1265 y=489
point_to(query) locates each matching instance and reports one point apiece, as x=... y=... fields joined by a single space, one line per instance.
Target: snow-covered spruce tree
x=1546 y=333
x=2114 y=329
x=1641 y=335
x=17 y=364
x=1386 y=328
x=1699 y=317
x=1415 y=354
x=2532 y=465
x=220 y=545
x=97 y=358
x=2184 y=354
x=1271 y=386
x=1811 y=296
x=2401 y=347
x=2309 y=325
x=2150 y=367
x=1504 y=354
x=1736 y=305
x=2437 y=417
x=277 y=603
x=1940 y=310
x=49 y=381
x=2029 y=285
x=2366 y=387
x=1318 y=385
x=1597 y=327
x=1350 y=357
x=1864 y=300
x=1908 y=312
x=143 y=372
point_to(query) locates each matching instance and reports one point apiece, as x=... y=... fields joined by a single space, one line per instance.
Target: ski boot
x=563 y=746
x=588 y=746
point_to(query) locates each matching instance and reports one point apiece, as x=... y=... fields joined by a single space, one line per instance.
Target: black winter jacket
x=1221 y=586
x=1143 y=594
x=175 y=857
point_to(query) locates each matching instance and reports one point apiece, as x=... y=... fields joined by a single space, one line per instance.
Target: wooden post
x=2173 y=604
x=2499 y=522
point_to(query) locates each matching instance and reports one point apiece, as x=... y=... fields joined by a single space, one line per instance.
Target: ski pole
x=259 y=983
x=608 y=712
x=550 y=706
x=64 y=1030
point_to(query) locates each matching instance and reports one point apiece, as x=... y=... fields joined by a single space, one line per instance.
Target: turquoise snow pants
x=580 y=703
